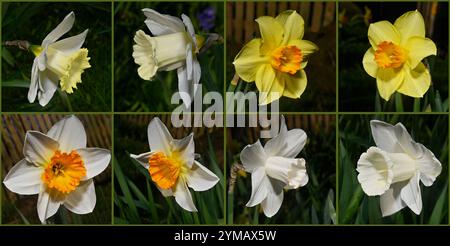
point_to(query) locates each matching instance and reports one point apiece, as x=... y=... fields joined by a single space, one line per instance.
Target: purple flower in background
x=207 y=18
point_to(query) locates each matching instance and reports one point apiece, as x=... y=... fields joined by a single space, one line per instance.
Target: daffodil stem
x=256 y=215
x=66 y=100
x=417 y=105
x=398 y=102
x=212 y=39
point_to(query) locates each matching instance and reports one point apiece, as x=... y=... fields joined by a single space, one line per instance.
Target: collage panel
x=284 y=53
x=56 y=57
x=393 y=169
x=167 y=55
x=56 y=169
x=287 y=179
x=393 y=56
x=167 y=173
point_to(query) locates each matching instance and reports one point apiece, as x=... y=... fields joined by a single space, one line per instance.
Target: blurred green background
x=131 y=93
x=355 y=138
x=137 y=200
x=32 y=22
x=313 y=203
x=357 y=90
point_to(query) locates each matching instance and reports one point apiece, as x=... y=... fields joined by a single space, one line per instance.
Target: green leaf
x=438 y=210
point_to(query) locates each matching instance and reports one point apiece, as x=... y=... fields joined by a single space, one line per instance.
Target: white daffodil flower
x=59 y=168
x=274 y=168
x=172 y=166
x=393 y=168
x=173 y=45
x=62 y=61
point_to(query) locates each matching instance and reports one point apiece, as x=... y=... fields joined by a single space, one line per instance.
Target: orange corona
x=389 y=55
x=287 y=59
x=165 y=170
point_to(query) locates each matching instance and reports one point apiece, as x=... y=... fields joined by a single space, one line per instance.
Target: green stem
x=398 y=102
x=416 y=105
x=65 y=100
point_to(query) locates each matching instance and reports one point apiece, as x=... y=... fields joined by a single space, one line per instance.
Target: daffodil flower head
x=396 y=54
x=394 y=168
x=59 y=168
x=275 y=167
x=173 y=46
x=172 y=166
x=56 y=61
x=276 y=61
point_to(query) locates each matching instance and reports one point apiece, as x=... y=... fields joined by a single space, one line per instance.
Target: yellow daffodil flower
x=276 y=61
x=62 y=61
x=395 y=56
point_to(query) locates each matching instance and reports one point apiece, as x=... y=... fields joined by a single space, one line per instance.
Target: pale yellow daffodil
x=396 y=54
x=276 y=61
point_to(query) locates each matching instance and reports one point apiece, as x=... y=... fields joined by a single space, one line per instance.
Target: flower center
x=389 y=55
x=64 y=172
x=287 y=59
x=165 y=170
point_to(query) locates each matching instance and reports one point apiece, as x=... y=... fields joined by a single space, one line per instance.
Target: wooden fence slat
x=316 y=21
x=249 y=19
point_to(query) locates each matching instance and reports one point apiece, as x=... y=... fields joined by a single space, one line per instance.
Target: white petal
x=165 y=192
x=274 y=198
x=189 y=62
x=39 y=148
x=183 y=196
x=375 y=171
x=48 y=82
x=186 y=147
x=391 y=201
x=260 y=187
x=290 y=171
x=159 y=137
x=60 y=30
x=143 y=158
x=160 y=24
x=253 y=157
x=70 y=44
x=286 y=143
x=429 y=166
x=410 y=194
x=24 y=178
x=201 y=178
x=406 y=142
x=393 y=139
x=32 y=91
x=190 y=28
x=70 y=134
x=82 y=200
x=184 y=87
x=95 y=160
x=47 y=205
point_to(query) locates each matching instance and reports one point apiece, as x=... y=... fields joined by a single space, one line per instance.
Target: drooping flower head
x=394 y=168
x=396 y=54
x=174 y=45
x=275 y=167
x=276 y=61
x=56 y=61
x=172 y=166
x=59 y=168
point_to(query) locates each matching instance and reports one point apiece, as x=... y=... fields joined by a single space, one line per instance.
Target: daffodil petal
x=201 y=178
x=417 y=81
x=287 y=144
x=369 y=63
x=429 y=166
x=24 y=178
x=95 y=160
x=70 y=134
x=388 y=81
x=186 y=148
x=391 y=201
x=260 y=187
x=410 y=24
x=375 y=171
x=293 y=26
x=269 y=84
x=248 y=60
x=159 y=137
x=143 y=158
x=34 y=82
x=410 y=194
x=382 y=31
x=47 y=206
x=49 y=83
x=70 y=44
x=393 y=139
x=274 y=198
x=62 y=28
x=39 y=148
x=183 y=197
x=271 y=33
x=190 y=29
x=306 y=47
x=165 y=192
x=294 y=85
x=419 y=48
x=253 y=156
x=83 y=199
x=160 y=24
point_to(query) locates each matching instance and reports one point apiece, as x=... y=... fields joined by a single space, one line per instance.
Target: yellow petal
x=416 y=82
x=410 y=24
x=248 y=60
x=294 y=86
x=369 y=63
x=419 y=48
x=306 y=47
x=271 y=33
x=293 y=23
x=382 y=31
x=270 y=88
x=388 y=81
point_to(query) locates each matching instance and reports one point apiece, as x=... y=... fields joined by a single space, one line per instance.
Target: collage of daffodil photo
x=223 y=112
